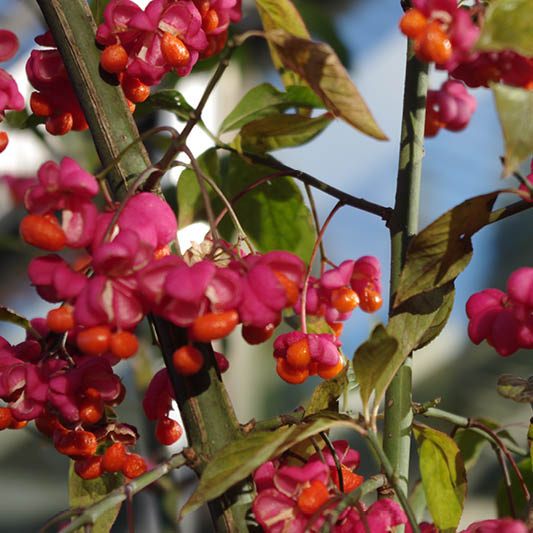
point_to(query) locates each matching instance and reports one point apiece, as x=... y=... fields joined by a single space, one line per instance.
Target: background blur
x=456 y=166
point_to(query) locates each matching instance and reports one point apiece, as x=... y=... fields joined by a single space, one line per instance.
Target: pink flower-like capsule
x=9 y=45
x=271 y=284
x=158 y=397
x=278 y=505
x=323 y=348
x=67 y=386
x=501 y=525
x=54 y=279
x=452 y=105
x=381 y=517
x=366 y=283
x=494 y=318
x=69 y=188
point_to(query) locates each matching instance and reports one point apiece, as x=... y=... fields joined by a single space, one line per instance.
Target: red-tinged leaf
x=84 y=493
x=240 y=458
x=443 y=476
x=281 y=14
x=515 y=107
x=318 y=64
x=507 y=25
x=441 y=251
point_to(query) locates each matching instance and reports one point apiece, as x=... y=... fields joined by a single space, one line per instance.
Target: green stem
x=394 y=479
x=463 y=422
x=403 y=225
x=103 y=102
x=207 y=413
x=359 y=203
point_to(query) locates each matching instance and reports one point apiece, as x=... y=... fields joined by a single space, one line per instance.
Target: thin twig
x=89 y=515
x=312 y=205
x=392 y=476
x=303 y=312
x=333 y=451
x=503 y=447
x=229 y=209
x=506 y=479
x=359 y=203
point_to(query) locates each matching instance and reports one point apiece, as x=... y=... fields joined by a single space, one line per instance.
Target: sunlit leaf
x=516 y=388
x=240 y=458
x=317 y=325
x=441 y=251
x=8 y=315
x=507 y=25
x=265 y=100
x=281 y=14
x=83 y=493
x=320 y=67
x=370 y=361
x=443 y=476
x=281 y=131
x=273 y=214
x=515 y=108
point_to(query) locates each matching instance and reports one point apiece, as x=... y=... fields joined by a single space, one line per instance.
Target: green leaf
x=169 y=100
x=516 y=388
x=265 y=100
x=272 y=214
x=19 y=119
x=281 y=14
x=190 y=201
x=443 y=476
x=507 y=25
x=97 y=9
x=502 y=500
x=320 y=67
x=370 y=361
x=83 y=493
x=280 y=131
x=440 y=252
x=414 y=324
x=316 y=325
x=240 y=458
x=8 y=315
x=471 y=442
x=326 y=394
x=515 y=106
